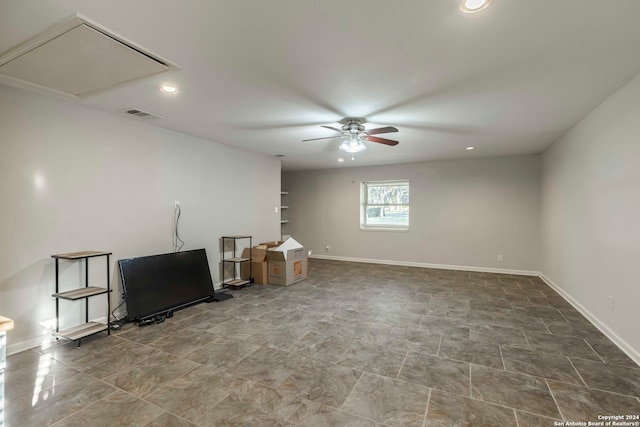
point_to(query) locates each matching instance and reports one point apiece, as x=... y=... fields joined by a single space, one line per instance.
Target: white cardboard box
x=287 y=263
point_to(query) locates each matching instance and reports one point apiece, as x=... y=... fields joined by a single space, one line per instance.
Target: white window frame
x=364 y=205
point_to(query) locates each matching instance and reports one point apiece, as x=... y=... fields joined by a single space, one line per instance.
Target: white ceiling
x=264 y=75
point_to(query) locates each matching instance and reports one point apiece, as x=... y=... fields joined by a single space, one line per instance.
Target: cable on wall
x=113 y=313
x=178 y=243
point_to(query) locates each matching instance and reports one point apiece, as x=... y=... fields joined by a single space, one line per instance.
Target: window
x=384 y=205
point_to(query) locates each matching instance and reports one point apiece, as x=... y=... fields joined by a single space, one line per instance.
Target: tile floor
x=354 y=345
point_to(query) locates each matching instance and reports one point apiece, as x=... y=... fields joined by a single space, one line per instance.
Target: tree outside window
x=385 y=205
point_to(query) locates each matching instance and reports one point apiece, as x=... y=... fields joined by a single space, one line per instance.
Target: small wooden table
x=5 y=325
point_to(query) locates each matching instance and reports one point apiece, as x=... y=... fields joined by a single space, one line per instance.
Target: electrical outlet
x=610 y=303
x=500 y=258
x=176 y=204
x=276 y=209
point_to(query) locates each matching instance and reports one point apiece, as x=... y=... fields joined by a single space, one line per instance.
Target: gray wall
x=591 y=216
x=73 y=179
x=464 y=213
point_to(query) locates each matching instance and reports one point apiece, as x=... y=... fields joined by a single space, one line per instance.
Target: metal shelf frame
x=234 y=282
x=76 y=333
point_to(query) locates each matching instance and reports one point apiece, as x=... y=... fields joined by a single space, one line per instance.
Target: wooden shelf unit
x=77 y=294
x=234 y=282
x=237 y=283
x=236 y=259
x=76 y=333
x=284 y=205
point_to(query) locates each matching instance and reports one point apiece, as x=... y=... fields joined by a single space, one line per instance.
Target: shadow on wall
x=25 y=297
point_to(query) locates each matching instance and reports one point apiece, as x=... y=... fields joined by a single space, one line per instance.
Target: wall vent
x=78 y=58
x=140 y=113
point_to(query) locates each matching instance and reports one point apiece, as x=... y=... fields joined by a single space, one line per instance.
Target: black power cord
x=113 y=314
x=178 y=243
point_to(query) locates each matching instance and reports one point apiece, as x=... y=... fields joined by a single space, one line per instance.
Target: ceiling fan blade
x=332 y=128
x=387 y=129
x=382 y=140
x=326 y=137
x=271 y=126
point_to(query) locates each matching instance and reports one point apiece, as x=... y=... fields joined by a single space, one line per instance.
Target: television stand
x=159 y=318
x=222 y=296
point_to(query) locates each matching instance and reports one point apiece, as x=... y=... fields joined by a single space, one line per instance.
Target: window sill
x=392 y=229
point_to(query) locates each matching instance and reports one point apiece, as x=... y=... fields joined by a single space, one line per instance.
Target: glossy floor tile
x=118 y=409
x=388 y=401
x=617 y=379
x=540 y=364
x=582 y=403
x=514 y=390
x=313 y=414
x=477 y=352
x=155 y=372
x=436 y=372
x=447 y=410
x=322 y=382
x=353 y=345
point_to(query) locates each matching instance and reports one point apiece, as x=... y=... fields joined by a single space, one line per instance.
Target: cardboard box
x=259 y=266
x=287 y=263
x=269 y=245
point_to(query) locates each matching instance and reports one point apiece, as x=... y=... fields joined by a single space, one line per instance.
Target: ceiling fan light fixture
x=352 y=145
x=473 y=6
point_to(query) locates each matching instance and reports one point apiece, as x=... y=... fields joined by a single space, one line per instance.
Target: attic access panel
x=77 y=58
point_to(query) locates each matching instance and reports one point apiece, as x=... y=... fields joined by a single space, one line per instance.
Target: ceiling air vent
x=140 y=113
x=77 y=58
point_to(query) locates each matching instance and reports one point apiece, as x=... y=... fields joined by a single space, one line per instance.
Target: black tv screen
x=159 y=284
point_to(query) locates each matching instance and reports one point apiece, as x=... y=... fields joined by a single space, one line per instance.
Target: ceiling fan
x=353 y=129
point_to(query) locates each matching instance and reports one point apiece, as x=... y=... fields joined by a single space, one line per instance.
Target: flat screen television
x=160 y=284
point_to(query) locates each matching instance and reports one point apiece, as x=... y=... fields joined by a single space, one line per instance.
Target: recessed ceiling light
x=470 y=148
x=473 y=6
x=170 y=89
x=340 y=160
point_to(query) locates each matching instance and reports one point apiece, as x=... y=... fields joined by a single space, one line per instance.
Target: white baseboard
x=427 y=265
x=30 y=343
x=602 y=327
x=17 y=347
x=39 y=341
